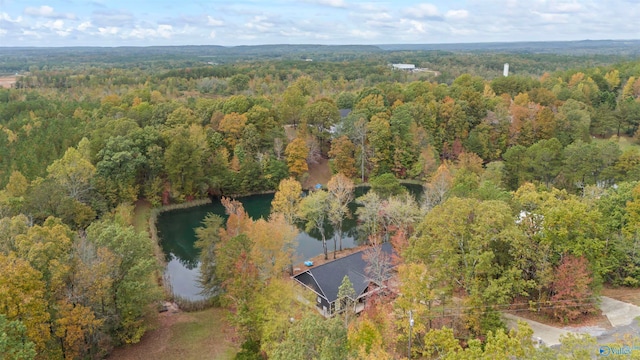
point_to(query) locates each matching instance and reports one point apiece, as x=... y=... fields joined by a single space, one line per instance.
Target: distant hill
x=584 y=47
x=13 y=59
x=188 y=51
x=17 y=59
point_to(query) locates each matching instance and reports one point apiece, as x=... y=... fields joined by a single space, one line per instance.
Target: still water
x=176 y=230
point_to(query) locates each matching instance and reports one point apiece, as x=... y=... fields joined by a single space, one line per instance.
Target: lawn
x=141 y=214
x=625 y=143
x=185 y=336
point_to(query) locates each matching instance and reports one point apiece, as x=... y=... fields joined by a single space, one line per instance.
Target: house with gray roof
x=324 y=280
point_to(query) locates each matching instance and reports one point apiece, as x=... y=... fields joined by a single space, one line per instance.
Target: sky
x=329 y=22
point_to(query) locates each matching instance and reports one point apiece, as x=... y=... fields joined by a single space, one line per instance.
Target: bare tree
x=379 y=264
x=278 y=148
x=341 y=190
x=435 y=191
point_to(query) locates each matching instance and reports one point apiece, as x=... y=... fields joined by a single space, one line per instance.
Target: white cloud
x=456 y=14
x=565 y=7
x=109 y=30
x=260 y=23
x=214 y=22
x=380 y=16
x=417 y=26
x=31 y=33
x=332 y=3
x=165 y=31
x=47 y=12
x=44 y=11
x=552 y=18
x=85 y=25
x=111 y=18
x=3 y=32
x=5 y=17
x=364 y=34
x=54 y=25
x=162 y=31
x=46 y=23
x=423 y=11
x=371 y=7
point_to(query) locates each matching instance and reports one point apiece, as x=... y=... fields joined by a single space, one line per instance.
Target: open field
x=141 y=215
x=7 y=81
x=625 y=143
x=319 y=173
x=185 y=336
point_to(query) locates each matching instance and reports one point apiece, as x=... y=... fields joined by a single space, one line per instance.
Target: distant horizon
x=318 y=44
x=116 y=23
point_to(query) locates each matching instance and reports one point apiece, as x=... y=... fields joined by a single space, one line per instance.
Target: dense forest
x=531 y=192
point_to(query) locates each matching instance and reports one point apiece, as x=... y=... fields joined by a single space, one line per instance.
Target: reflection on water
x=183 y=280
x=176 y=230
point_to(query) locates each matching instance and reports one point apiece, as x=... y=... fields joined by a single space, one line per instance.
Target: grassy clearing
x=141 y=214
x=185 y=336
x=206 y=336
x=625 y=143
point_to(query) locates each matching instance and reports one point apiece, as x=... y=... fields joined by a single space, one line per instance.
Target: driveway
x=620 y=314
x=550 y=335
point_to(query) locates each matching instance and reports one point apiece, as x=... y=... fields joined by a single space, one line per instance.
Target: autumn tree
x=296 y=153
x=238 y=276
x=232 y=126
x=341 y=190
x=472 y=254
x=369 y=215
x=293 y=101
x=572 y=296
x=74 y=173
x=313 y=337
x=250 y=259
x=314 y=210
x=286 y=199
x=400 y=213
x=320 y=116
x=12 y=199
x=133 y=288
x=381 y=141
x=366 y=339
x=273 y=246
x=436 y=190
x=343 y=156
x=419 y=291
x=25 y=299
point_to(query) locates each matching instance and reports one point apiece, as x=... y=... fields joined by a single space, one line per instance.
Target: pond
x=176 y=230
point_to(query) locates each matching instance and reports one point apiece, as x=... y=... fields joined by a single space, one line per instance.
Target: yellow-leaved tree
x=296 y=153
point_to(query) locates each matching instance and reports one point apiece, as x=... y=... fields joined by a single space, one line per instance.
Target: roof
x=344 y=112
x=404 y=66
x=325 y=279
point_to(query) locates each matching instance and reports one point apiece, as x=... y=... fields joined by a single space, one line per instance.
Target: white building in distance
x=407 y=67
